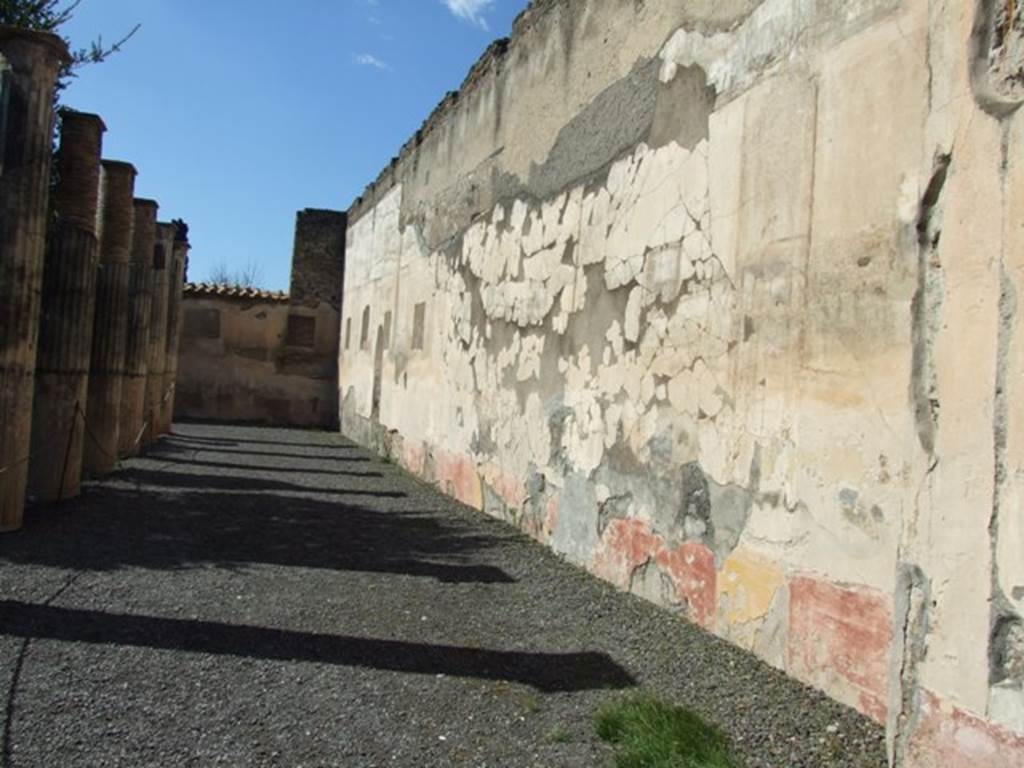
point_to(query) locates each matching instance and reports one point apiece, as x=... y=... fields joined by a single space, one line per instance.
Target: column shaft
x=140 y=299
x=110 y=330
x=65 y=326
x=162 y=257
x=29 y=65
x=176 y=280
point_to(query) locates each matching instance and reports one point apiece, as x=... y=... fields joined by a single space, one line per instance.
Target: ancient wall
x=236 y=364
x=318 y=258
x=271 y=358
x=719 y=300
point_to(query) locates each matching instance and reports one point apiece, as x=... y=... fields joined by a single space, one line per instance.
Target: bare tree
x=248 y=276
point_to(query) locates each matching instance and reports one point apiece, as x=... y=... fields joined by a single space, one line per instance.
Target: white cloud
x=470 y=10
x=369 y=60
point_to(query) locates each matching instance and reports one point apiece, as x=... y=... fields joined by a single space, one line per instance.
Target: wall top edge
x=221 y=291
x=490 y=60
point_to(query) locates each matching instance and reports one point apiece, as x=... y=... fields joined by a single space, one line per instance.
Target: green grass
x=530 y=703
x=559 y=735
x=649 y=733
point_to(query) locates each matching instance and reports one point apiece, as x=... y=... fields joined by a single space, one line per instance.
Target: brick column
x=176 y=279
x=140 y=299
x=110 y=331
x=65 y=328
x=163 y=255
x=29 y=65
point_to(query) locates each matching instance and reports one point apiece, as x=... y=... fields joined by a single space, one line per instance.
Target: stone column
x=157 y=355
x=110 y=331
x=140 y=299
x=176 y=279
x=29 y=65
x=65 y=326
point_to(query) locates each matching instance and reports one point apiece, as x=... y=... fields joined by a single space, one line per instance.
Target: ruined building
x=88 y=296
x=719 y=300
x=252 y=356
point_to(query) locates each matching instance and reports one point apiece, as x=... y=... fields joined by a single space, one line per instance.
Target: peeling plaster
x=689 y=352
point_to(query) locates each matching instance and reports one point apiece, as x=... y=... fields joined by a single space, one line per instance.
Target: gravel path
x=246 y=596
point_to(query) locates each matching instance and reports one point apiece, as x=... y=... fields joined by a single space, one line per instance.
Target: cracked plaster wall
x=721 y=305
x=236 y=364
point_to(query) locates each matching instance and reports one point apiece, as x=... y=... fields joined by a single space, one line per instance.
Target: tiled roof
x=216 y=290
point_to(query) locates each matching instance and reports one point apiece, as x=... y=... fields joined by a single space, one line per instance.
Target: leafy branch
x=50 y=16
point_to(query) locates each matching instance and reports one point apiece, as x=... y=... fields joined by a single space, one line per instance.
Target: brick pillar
x=163 y=254
x=65 y=327
x=29 y=65
x=140 y=299
x=110 y=330
x=176 y=280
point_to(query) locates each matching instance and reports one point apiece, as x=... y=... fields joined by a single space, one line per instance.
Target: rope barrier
x=32 y=455
x=147 y=422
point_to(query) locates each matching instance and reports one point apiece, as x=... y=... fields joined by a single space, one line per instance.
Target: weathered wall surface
x=719 y=299
x=318 y=258
x=238 y=364
x=253 y=356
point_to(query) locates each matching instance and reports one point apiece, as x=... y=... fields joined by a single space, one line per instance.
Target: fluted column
x=65 y=328
x=29 y=65
x=140 y=298
x=176 y=280
x=110 y=330
x=163 y=254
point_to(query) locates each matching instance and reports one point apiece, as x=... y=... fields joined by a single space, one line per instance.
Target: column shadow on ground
x=277 y=469
x=226 y=442
x=548 y=672
x=186 y=521
x=182 y=448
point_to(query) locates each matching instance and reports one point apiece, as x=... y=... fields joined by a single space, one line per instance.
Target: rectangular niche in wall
x=202 y=324
x=364 y=334
x=348 y=332
x=419 y=317
x=387 y=329
x=301 y=331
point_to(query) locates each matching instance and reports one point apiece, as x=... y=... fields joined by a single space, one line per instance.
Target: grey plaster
x=683 y=109
x=650 y=582
x=772 y=640
x=618 y=119
x=575 y=535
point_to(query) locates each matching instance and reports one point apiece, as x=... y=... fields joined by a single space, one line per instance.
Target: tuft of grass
x=530 y=703
x=649 y=733
x=559 y=735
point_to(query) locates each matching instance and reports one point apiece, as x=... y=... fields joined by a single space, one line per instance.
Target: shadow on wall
x=547 y=672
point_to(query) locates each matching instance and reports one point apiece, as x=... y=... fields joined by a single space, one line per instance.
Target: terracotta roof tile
x=233 y=292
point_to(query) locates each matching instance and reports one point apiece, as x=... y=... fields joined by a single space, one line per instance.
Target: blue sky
x=238 y=113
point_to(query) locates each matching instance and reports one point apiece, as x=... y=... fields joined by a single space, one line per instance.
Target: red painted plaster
x=839 y=641
x=950 y=737
x=692 y=568
x=413 y=457
x=458 y=477
x=629 y=544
